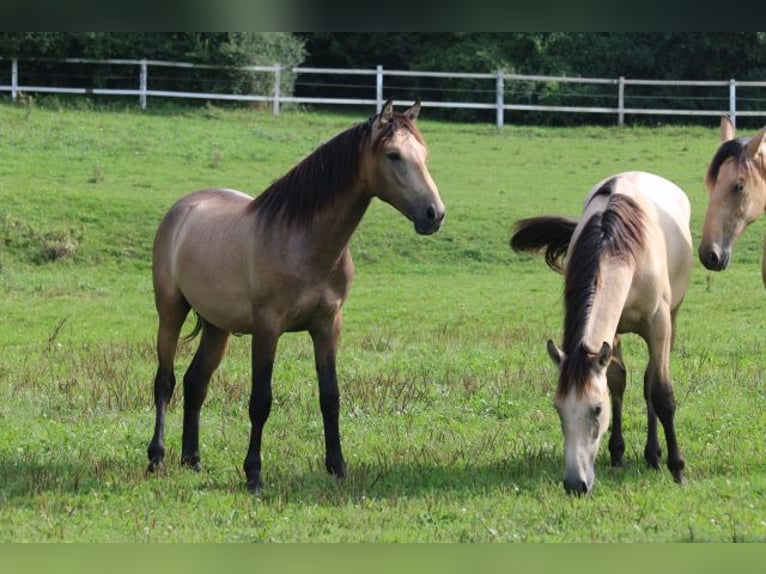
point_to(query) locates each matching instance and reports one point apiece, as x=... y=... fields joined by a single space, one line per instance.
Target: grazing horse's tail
x=552 y=233
x=195 y=331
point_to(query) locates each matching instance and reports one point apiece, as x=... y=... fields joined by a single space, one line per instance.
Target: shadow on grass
x=22 y=479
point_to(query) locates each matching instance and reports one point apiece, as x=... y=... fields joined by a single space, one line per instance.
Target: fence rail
x=496 y=95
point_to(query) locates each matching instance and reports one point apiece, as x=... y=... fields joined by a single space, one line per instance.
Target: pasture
x=446 y=388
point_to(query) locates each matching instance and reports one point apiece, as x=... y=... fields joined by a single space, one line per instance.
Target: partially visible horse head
x=397 y=172
x=584 y=408
x=736 y=182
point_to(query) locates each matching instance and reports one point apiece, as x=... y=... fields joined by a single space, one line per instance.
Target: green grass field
x=446 y=407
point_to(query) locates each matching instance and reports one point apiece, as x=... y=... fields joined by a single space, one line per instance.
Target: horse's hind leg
x=616 y=379
x=171 y=318
x=652 y=452
x=205 y=362
x=660 y=400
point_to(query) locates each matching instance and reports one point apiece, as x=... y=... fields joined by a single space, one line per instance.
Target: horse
x=279 y=263
x=736 y=183
x=626 y=263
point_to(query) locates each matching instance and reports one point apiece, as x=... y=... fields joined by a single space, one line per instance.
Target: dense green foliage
x=224 y=49
x=636 y=55
x=656 y=55
x=446 y=411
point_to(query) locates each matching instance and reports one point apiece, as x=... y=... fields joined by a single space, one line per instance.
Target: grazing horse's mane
x=736 y=148
x=618 y=232
x=325 y=174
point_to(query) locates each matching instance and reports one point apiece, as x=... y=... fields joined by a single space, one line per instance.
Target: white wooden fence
x=496 y=84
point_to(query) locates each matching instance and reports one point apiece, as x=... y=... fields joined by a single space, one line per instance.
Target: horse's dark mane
x=736 y=148
x=617 y=231
x=325 y=174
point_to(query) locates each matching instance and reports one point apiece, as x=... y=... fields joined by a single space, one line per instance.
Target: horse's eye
x=597 y=411
x=393 y=156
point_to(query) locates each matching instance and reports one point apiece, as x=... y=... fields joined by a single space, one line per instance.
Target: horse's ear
x=556 y=354
x=387 y=112
x=755 y=144
x=412 y=112
x=604 y=356
x=727 y=129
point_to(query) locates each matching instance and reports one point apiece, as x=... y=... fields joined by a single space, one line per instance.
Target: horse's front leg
x=263 y=350
x=616 y=380
x=325 y=337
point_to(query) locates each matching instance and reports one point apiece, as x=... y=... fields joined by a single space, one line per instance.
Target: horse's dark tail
x=195 y=331
x=551 y=233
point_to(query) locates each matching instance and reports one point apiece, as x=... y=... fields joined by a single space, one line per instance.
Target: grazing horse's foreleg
x=172 y=316
x=206 y=360
x=263 y=351
x=616 y=380
x=660 y=399
x=325 y=338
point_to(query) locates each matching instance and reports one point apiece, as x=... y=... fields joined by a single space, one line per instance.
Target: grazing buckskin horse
x=278 y=263
x=628 y=259
x=736 y=182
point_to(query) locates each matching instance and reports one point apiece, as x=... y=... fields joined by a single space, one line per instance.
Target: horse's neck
x=612 y=292
x=327 y=235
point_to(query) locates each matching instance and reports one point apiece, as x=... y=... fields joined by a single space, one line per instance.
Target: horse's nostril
x=431 y=213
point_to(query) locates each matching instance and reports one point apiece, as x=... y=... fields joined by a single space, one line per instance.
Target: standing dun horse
x=279 y=263
x=736 y=182
x=627 y=263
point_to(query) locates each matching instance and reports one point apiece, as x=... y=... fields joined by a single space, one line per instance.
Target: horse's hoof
x=652 y=459
x=677 y=470
x=337 y=469
x=254 y=486
x=192 y=462
x=154 y=466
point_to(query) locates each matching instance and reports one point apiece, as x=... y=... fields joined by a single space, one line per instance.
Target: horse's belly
x=231 y=307
x=224 y=308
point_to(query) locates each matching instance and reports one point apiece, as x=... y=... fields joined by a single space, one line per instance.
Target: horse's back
x=664 y=195
x=668 y=213
x=219 y=199
x=194 y=216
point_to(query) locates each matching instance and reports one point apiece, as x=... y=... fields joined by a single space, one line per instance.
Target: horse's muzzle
x=713 y=259
x=432 y=220
x=576 y=486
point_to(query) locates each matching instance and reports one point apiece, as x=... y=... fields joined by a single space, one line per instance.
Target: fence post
x=277 y=88
x=733 y=102
x=142 y=83
x=378 y=88
x=621 y=102
x=14 y=79
x=500 y=98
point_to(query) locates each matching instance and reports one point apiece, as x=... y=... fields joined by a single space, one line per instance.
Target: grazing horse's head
x=584 y=408
x=396 y=169
x=736 y=182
